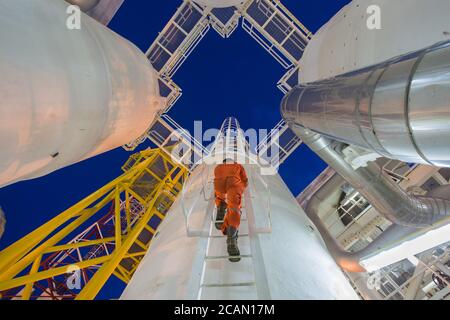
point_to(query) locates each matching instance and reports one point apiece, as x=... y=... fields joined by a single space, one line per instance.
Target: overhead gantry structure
x=268 y=22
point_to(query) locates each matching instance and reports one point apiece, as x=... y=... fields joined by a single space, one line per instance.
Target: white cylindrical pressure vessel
x=219 y=3
x=66 y=94
x=368 y=32
x=84 y=5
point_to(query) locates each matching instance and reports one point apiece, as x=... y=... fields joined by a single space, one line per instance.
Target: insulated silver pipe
x=377 y=187
x=399 y=109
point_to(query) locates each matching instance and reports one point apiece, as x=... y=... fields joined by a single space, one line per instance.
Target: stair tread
x=224 y=285
x=227 y=256
x=222 y=221
x=222 y=236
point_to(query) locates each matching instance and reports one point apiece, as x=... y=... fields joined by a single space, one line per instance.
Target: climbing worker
x=230 y=181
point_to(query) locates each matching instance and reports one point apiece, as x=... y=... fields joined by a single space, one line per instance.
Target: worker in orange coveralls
x=230 y=181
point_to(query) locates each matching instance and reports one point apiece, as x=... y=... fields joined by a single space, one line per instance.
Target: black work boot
x=232 y=246
x=221 y=211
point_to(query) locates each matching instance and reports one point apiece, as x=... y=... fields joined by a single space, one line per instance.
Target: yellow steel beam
x=154 y=175
x=17 y=267
x=26 y=294
x=41 y=233
x=77 y=245
x=30 y=249
x=127 y=210
x=123 y=271
x=50 y=273
x=135 y=254
x=117 y=217
x=134 y=268
x=101 y=276
x=121 y=277
x=141 y=244
x=166 y=167
x=159 y=214
x=135 y=195
x=150 y=229
x=16 y=251
x=135 y=260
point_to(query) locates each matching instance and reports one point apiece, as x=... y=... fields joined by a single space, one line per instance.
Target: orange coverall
x=230 y=181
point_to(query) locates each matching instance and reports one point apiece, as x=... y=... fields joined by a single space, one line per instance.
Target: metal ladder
x=244 y=280
x=222 y=279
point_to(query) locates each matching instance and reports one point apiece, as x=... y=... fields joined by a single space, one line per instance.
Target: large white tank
x=290 y=262
x=347 y=42
x=219 y=3
x=66 y=95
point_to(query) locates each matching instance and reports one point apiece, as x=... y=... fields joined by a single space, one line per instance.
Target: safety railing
x=197 y=146
x=343 y=218
x=178 y=39
x=224 y=20
x=289 y=80
x=198 y=205
x=425 y=277
x=278 y=145
x=398 y=170
x=276 y=30
x=167 y=133
x=259 y=206
x=170 y=91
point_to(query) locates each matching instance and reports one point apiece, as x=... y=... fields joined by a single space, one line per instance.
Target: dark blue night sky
x=223 y=77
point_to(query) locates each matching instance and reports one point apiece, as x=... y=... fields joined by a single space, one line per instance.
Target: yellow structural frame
x=15 y=261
